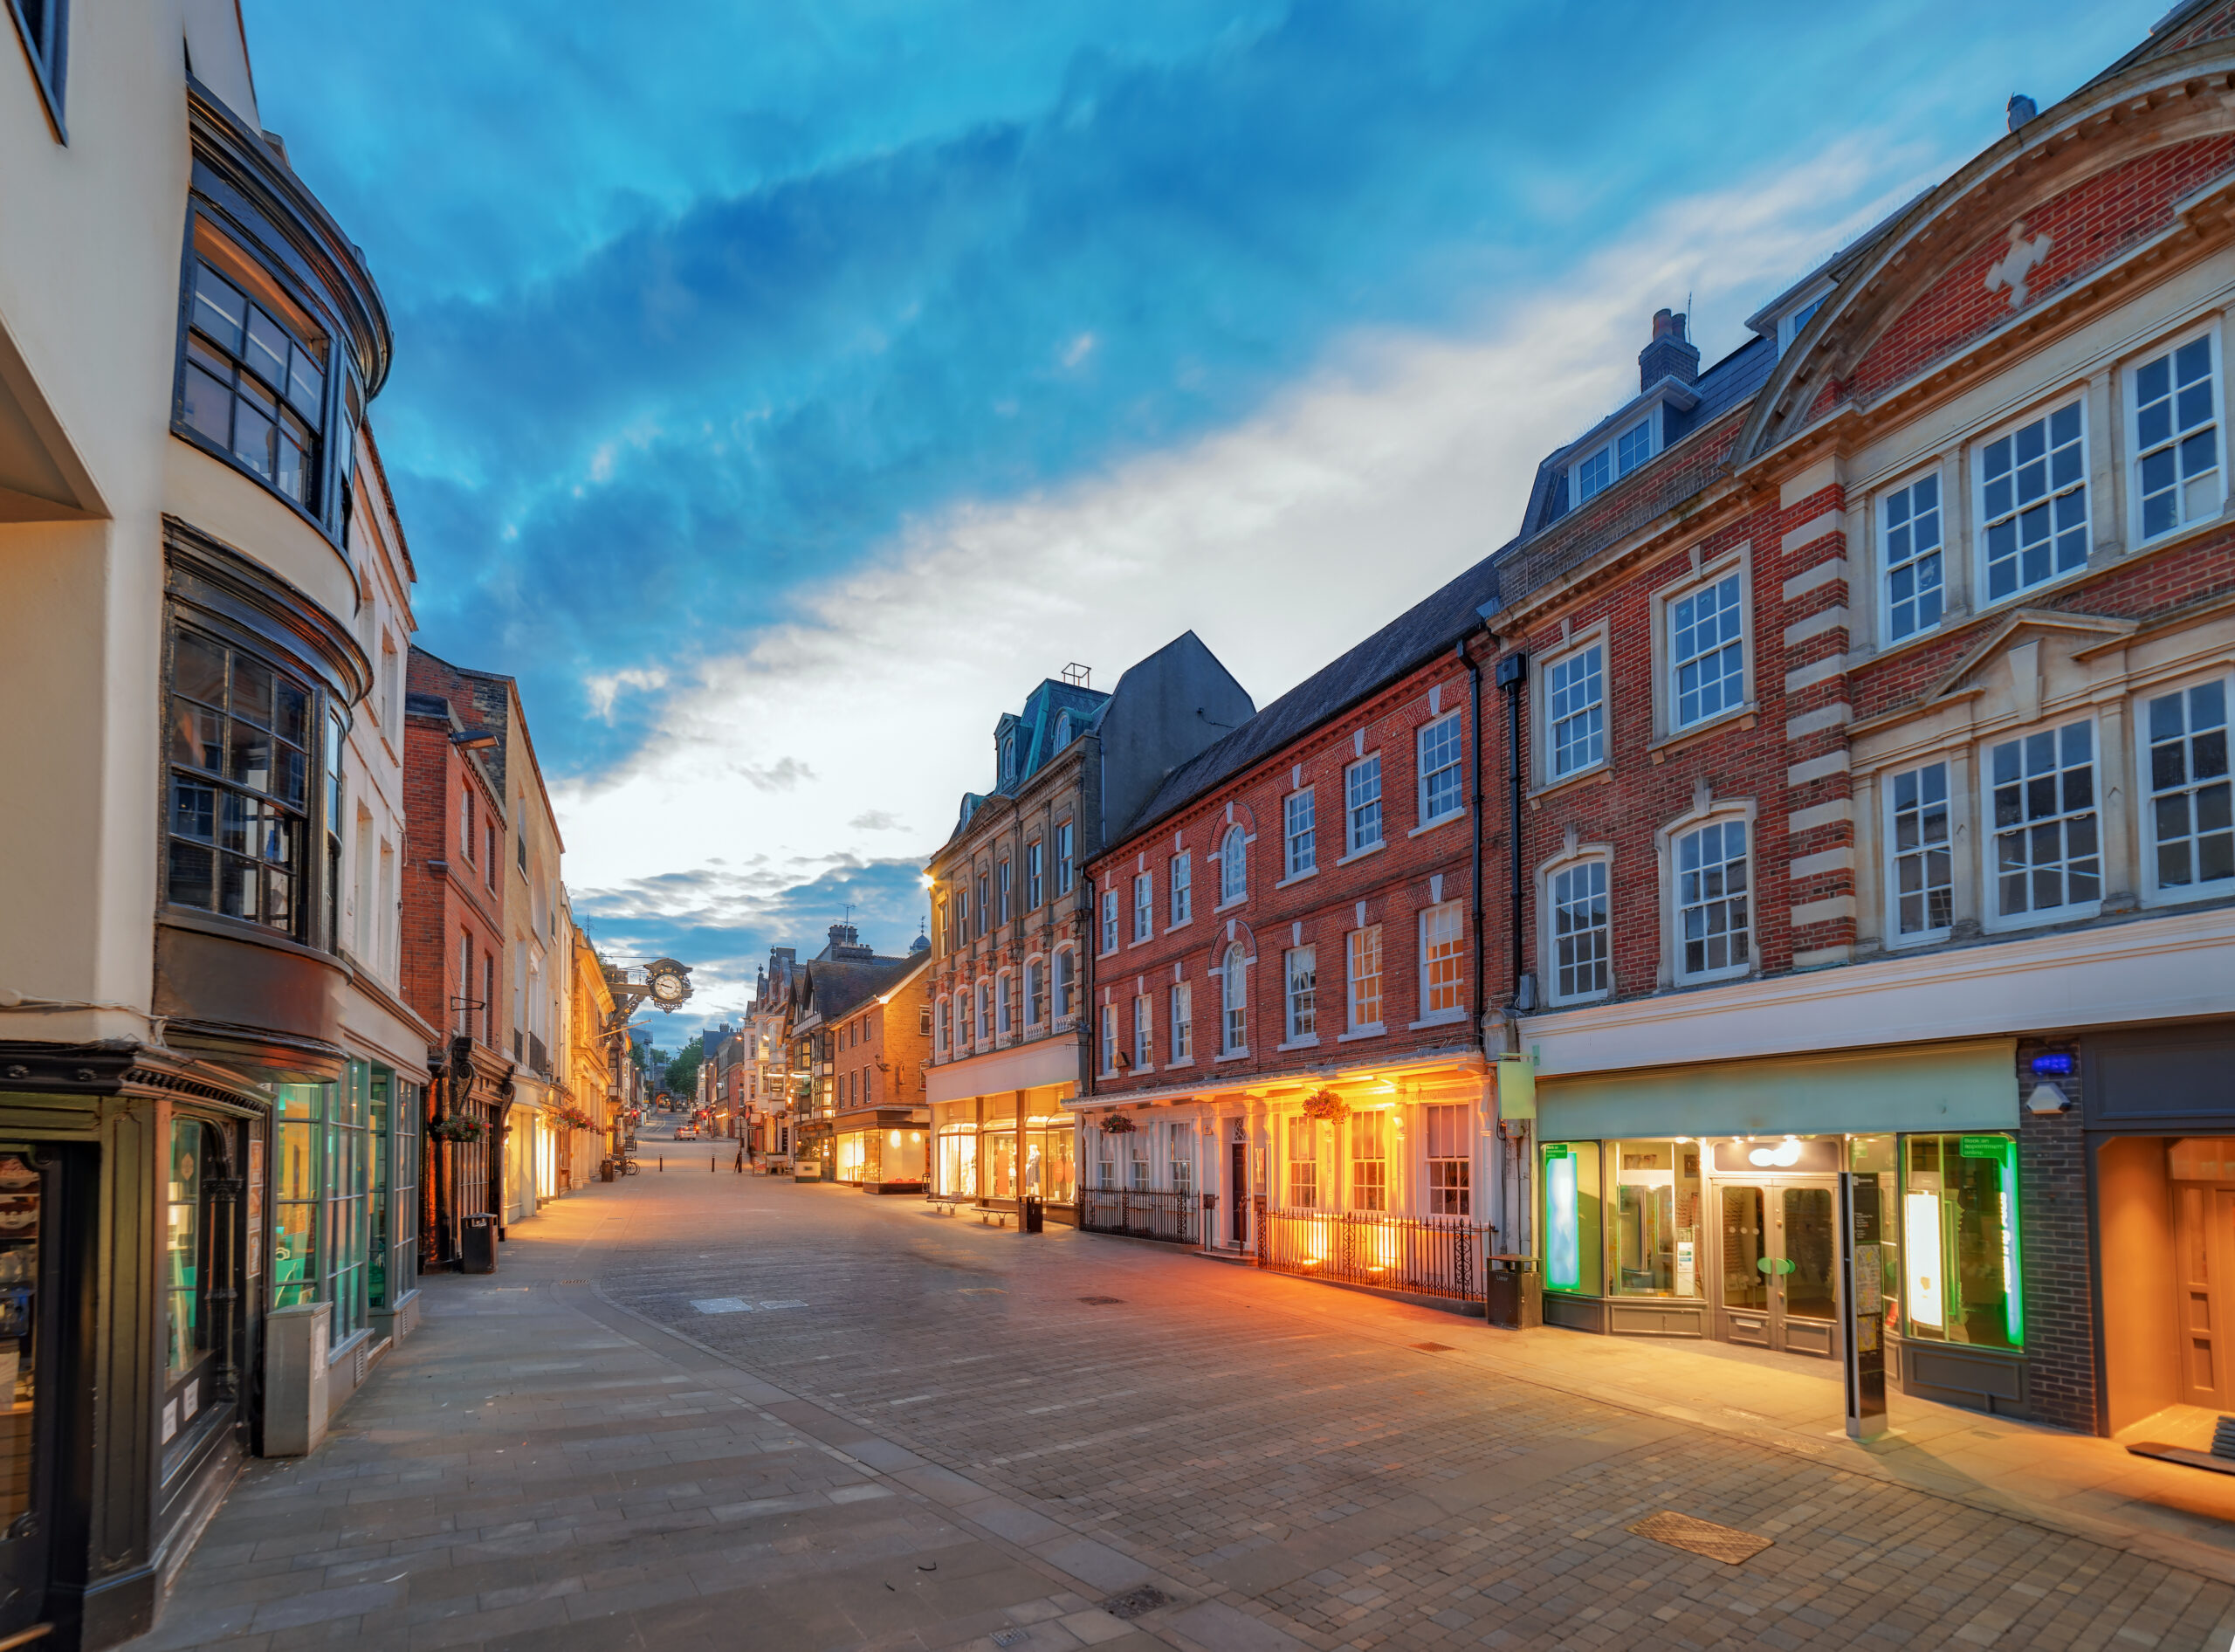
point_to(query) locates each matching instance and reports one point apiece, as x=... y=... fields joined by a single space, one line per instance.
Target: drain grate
x=1010 y=1637
x=1723 y=1542
x=1101 y=1302
x=1431 y=1348
x=1134 y=1602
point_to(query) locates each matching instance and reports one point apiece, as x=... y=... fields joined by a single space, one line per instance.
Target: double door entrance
x=1777 y=1275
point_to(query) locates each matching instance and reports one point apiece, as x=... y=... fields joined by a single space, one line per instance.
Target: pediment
x=2086 y=185
x=2007 y=657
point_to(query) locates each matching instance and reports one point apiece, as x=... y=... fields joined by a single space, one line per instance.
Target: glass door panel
x=1745 y=1248
x=1809 y=1277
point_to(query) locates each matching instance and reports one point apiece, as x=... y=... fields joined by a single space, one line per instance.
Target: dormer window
x=1795 y=320
x=1008 y=760
x=1604 y=465
x=1062 y=731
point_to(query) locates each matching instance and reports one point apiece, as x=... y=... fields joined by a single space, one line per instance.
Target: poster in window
x=1921 y=1257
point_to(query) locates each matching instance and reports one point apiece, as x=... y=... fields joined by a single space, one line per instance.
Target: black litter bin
x=1516 y=1293
x=605 y=1170
x=478 y=1244
x=1035 y=1217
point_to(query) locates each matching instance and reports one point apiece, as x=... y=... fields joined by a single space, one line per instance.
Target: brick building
x=1284 y=1000
x=879 y=1052
x=1871 y=802
x=1011 y=910
x=453 y=948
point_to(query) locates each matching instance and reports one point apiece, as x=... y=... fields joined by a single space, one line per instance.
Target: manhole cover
x=1433 y=1347
x=1723 y=1542
x=1134 y=1602
x=1101 y=1302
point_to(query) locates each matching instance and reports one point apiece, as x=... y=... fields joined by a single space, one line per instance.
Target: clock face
x=668 y=988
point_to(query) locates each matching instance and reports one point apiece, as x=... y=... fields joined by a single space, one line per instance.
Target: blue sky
x=780 y=389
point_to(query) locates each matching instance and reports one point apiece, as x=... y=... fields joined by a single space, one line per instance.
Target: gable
x=2014 y=266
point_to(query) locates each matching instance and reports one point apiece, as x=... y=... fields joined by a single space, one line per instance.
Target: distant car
x=686 y=1132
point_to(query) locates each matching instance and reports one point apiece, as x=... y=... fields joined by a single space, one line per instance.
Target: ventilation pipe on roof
x=2019 y=110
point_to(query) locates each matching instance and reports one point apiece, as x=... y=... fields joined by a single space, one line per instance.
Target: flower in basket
x=1117 y=1124
x=453 y=1126
x=1325 y=1104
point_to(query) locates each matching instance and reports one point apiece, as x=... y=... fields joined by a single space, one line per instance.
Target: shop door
x=2207 y=1274
x=1777 y=1277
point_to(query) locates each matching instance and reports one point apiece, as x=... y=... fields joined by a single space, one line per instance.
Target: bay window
x=240 y=762
x=253 y=383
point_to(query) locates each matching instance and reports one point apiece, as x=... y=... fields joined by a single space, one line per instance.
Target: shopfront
x=1728 y=1230
x=884 y=1150
x=1001 y=1149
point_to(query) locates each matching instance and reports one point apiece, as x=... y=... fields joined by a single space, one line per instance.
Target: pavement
x=698 y=1409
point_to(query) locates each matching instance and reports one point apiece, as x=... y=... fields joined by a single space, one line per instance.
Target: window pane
x=2192 y=816
x=1581 y=937
x=2035 y=503
x=2043 y=800
x=1708 y=653
x=219 y=308
x=1656 y=1215
x=1577 y=711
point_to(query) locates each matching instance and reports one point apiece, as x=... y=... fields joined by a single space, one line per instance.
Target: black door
x=1238 y=1216
x=30 y=1262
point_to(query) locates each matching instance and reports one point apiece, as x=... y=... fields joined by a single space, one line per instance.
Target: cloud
x=781 y=775
x=876 y=820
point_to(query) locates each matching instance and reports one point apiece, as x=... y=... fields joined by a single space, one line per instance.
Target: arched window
x=1233 y=867
x=1233 y=999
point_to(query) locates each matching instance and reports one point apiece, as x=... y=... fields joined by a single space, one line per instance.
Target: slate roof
x=1424 y=630
x=831 y=987
x=1721 y=387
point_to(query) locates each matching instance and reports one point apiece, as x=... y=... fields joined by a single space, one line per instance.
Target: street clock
x=669 y=982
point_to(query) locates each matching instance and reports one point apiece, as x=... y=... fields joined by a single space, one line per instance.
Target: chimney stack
x=2019 y=110
x=1670 y=355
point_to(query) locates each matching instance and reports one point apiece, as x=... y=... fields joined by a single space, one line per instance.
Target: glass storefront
x=21 y=1187
x=1632 y=1219
x=345 y=1171
x=959 y=1160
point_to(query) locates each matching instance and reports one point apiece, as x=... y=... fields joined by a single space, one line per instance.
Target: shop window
x=320 y=1232
x=253 y=385
x=239 y=784
x=1370 y=1162
x=958 y=1169
x=392 y=1119
x=22 y=1206
x=299 y=1112
x=1303 y=1184
x=1450 y=1162
x=1959 y=1229
x=187 y=1258
x=1570 y=1216
x=1182 y=1139
x=1656 y=1218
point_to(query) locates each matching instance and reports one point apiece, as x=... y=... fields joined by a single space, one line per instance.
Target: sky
x=782 y=389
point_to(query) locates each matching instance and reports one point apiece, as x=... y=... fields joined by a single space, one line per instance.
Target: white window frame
x=1550 y=773
x=1183 y=1024
x=2130 y=398
x=1035 y=862
x=1668 y=667
x=1882 y=509
x=1181 y=889
x=1063 y=984
x=1671 y=839
x=1299 y=1009
x=1066 y=861
x=945 y=1025
x=985 y=1015
x=1889 y=828
x=2154 y=893
x=1299 y=834
x=1455 y=910
x=1354 y=807
x=1791 y=324
x=1035 y=992
x=1233 y=868
x=1107 y=1032
x=1619 y=463
x=1352 y=1026
x=1234 y=1001
x=1424 y=776
x=1143 y=907
x=1990 y=913
x=1001 y=883
x=1548 y=907
x=1143 y=1032
x=1004 y=1011
x=1109 y=935
x=2041 y=412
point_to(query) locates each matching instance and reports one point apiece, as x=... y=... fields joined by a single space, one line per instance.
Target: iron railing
x=1176 y=1217
x=1431 y=1258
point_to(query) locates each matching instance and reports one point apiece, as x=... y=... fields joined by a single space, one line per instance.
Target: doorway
x=1238 y=1210
x=1778 y=1265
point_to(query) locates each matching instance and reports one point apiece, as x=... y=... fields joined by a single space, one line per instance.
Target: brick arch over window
x=1954 y=266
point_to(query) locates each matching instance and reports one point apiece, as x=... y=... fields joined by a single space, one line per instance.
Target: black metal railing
x=1176 y=1217
x=538 y=1059
x=1431 y=1258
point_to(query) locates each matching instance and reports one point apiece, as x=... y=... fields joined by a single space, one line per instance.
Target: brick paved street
x=948 y=1441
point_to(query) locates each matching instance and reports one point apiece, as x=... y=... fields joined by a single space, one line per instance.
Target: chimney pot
x=2019 y=110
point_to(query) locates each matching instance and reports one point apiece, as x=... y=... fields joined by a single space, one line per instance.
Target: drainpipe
x=1088 y=1018
x=1475 y=766
x=1512 y=674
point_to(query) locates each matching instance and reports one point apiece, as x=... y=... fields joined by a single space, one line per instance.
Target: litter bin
x=1036 y=1214
x=605 y=1170
x=1516 y=1293
x=478 y=1244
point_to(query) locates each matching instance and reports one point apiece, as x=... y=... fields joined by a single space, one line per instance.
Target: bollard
x=710 y=1164
x=663 y=1170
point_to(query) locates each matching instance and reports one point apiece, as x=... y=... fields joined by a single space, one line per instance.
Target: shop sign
x=1982 y=1146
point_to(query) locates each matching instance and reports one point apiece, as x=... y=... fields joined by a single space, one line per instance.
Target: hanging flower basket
x=453 y=1126
x=1117 y=1124
x=1325 y=1104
